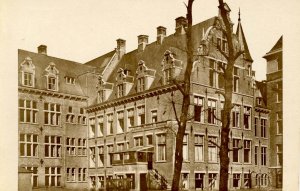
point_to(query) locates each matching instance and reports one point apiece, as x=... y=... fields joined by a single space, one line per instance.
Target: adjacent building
x=81 y=126
x=274 y=103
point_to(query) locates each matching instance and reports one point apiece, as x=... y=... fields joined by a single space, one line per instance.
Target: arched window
x=257 y=180
x=27 y=69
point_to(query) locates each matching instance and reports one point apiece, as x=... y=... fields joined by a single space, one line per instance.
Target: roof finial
x=239 y=15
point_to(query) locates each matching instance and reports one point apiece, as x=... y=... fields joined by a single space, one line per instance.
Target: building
x=274 y=103
x=132 y=122
x=82 y=126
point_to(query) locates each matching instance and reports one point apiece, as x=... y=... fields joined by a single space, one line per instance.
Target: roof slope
x=65 y=68
x=101 y=61
x=277 y=46
x=242 y=39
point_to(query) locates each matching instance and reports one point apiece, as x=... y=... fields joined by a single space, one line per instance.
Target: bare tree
x=231 y=56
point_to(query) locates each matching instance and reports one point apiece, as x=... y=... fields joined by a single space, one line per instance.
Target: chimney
x=121 y=47
x=161 y=34
x=142 y=42
x=42 y=49
x=181 y=23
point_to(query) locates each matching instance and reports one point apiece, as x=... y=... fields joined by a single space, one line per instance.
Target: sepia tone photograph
x=148 y=95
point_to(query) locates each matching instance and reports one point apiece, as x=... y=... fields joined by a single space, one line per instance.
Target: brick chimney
x=161 y=34
x=180 y=23
x=142 y=42
x=42 y=49
x=121 y=47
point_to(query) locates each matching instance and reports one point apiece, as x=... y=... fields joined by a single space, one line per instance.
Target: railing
x=134 y=157
x=160 y=179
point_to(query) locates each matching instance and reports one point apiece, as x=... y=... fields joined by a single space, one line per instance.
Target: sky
x=82 y=30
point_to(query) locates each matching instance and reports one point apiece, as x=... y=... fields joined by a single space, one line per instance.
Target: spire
x=239 y=15
x=242 y=40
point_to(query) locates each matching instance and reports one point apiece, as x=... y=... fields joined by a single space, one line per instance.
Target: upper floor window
x=145 y=76
x=52 y=114
x=27 y=69
x=28 y=111
x=130 y=117
x=29 y=145
x=236 y=79
x=52 y=77
x=222 y=43
x=212 y=149
x=70 y=80
x=212 y=73
x=263 y=127
x=70 y=118
x=198 y=109
x=247 y=117
x=258 y=101
x=120 y=122
x=236 y=116
x=141 y=115
x=53 y=146
x=154 y=116
x=235 y=152
x=161 y=147
x=81 y=117
x=211 y=111
x=279 y=91
x=140 y=84
x=121 y=90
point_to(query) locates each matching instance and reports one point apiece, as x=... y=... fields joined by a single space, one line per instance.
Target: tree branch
x=222 y=52
x=220 y=92
x=238 y=54
x=210 y=141
x=175 y=112
x=178 y=86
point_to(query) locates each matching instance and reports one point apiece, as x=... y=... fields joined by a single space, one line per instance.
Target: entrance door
x=143 y=182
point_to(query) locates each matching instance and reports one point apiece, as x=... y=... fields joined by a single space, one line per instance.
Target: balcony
x=136 y=155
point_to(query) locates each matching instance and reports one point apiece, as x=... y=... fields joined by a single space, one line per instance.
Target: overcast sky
x=83 y=30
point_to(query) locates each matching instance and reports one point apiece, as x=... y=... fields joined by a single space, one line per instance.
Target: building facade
x=274 y=103
x=82 y=126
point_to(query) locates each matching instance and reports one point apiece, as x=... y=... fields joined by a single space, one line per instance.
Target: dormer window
x=124 y=82
x=222 y=43
x=171 y=67
x=70 y=80
x=52 y=77
x=141 y=84
x=145 y=76
x=104 y=90
x=27 y=72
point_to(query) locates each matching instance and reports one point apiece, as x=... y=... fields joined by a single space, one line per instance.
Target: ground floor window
x=199 y=180
x=247 y=180
x=101 y=181
x=52 y=176
x=132 y=183
x=185 y=180
x=34 y=178
x=93 y=182
x=212 y=180
x=236 y=180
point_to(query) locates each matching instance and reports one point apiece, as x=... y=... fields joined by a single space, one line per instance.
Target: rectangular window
x=236 y=116
x=211 y=111
x=279 y=154
x=92 y=128
x=263 y=156
x=198 y=109
x=110 y=150
x=212 y=180
x=28 y=111
x=34 y=177
x=120 y=122
x=141 y=84
x=70 y=117
x=154 y=116
x=81 y=174
x=121 y=90
x=138 y=141
x=70 y=80
x=279 y=91
x=29 y=145
x=247 y=151
x=141 y=115
x=100 y=126
x=130 y=118
x=279 y=123
x=236 y=84
x=236 y=180
x=52 y=83
x=28 y=79
x=71 y=146
x=149 y=140
x=263 y=127
x=110 y=127
x=247 y=180
x=185 y=148
x=81 y=147
x=100 y=156
x=256 y=155
x=198 y=148
x=120 y=147
x=161 y=147
x=52 y=176
x=71 y=175
x=52 y=113
x=53 y=146
x=81 y=117
x=92 y=157
x=101 y=96
x=235 y=152
x=256 y=126
x=185 y=180
x=199 y=180
x=247 y=117
x=101 y=182
x=212 y=73
x=212 y=149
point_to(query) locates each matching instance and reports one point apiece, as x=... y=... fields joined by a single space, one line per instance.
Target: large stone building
x=274 y=103
x=81 y=125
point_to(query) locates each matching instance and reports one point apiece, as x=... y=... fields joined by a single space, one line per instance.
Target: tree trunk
x=185 y=101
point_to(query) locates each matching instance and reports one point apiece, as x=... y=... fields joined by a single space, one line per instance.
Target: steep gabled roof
x=66 y=68
x=242 y=39
x=101 y=61
x=276 y=48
